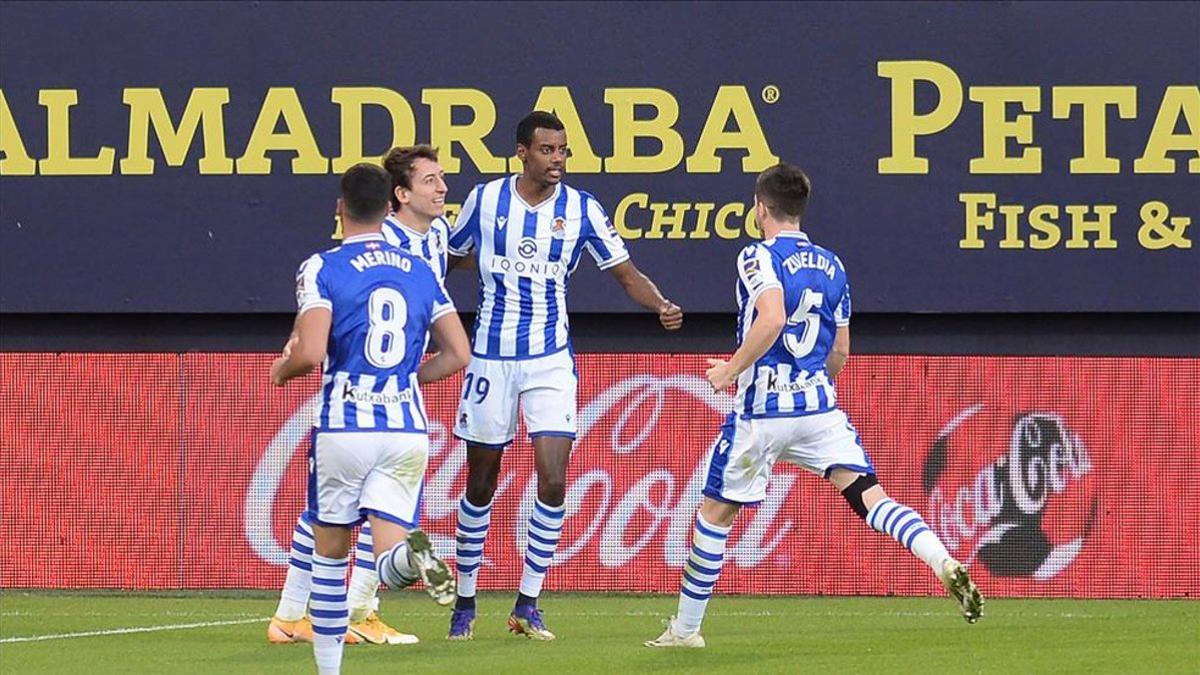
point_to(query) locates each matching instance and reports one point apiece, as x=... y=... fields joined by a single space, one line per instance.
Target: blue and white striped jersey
x=790 y=379
x=526 y=254
x=430 y=247
x=383 y=301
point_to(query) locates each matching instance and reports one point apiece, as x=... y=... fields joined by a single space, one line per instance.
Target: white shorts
x=740 y=462
x=354 y=474
x=545 y=387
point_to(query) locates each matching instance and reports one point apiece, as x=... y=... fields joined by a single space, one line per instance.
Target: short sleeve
x=391 y=236
x=442 y=304
x=756 y=271
x=601 y=238
x=465 y=232
x=311 y=290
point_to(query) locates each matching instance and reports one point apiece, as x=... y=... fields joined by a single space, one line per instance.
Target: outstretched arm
x=641 y=290
x=306 y=347
x=769 y=321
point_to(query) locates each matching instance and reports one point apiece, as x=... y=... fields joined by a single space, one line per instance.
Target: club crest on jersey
x=1013 y=491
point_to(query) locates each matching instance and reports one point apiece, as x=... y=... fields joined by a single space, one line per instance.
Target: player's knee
x=480 y=492
x=854 y=493
x=481 y=488
x=552 y=491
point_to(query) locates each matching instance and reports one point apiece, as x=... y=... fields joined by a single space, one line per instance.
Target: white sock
x=545 y=528
x=330 y=616
x=394 y=568
x=700 y=574
x=293 y=599
x=364 y=581
x=907 y=527
x=470 y=534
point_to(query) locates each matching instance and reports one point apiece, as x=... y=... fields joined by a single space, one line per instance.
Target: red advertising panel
x=1050 y=476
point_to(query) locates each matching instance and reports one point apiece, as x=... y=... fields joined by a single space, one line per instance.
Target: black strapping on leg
x=854 y=493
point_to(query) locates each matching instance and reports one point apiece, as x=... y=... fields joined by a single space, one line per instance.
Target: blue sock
x=330 y=612
x=545 y=528
x=700 y=574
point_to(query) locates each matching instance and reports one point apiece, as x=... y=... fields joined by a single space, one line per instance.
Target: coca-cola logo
x=1011 y=491
x=625 y=495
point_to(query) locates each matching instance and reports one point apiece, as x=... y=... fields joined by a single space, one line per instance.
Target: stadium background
x=1043 y=403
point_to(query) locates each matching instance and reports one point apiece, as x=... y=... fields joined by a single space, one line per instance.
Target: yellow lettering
x=672 y=220
x=997 y=129
x=703 y=209
x=627 y=129
x=1041 y=218
x=282 y=103
x=752 y=228
x=1012 y=225
x=731 y=102
x=59 y=162
x=906 y=123
x=975 y=220
x=621 y=215
x=1178 y=101
x=721 y=227
x=444 y=133
x=351 y=101
x=17 y=161
x=147 y=110
x=1102 y=226
x=1095 y=102
x=558 y=100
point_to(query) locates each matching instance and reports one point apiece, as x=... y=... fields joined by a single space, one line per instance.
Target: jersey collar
x=396 y=222
x=374 y=236
x=517 y=195
x=794 y=234
x=798 y=235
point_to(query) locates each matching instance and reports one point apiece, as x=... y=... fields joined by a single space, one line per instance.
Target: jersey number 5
x=808 y=317
x=387 y=313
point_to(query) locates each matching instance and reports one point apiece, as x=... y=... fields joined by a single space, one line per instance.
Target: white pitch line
x=636 y=613
x=126 y=631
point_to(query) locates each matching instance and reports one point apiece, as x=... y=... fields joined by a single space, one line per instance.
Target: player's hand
x=670 y=316
x=719 y=374
x=277 y=368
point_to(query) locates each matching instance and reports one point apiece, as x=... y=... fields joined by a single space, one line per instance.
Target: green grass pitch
x=224 y=633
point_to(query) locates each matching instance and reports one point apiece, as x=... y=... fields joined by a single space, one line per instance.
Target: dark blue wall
x=179 y=240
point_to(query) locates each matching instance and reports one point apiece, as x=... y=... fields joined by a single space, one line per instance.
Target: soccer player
x=793 y=339
x=416 y=225
x=529 y=232
x=366 y=309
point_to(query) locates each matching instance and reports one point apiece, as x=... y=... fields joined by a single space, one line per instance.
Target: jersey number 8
x=808 y=317
x=387 y=313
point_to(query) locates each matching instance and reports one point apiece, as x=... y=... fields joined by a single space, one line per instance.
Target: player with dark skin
x=545 y=161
